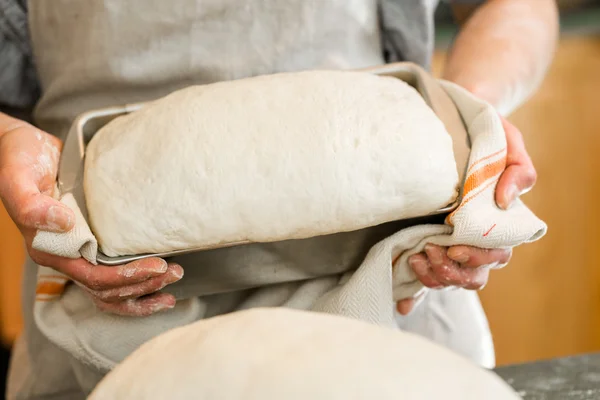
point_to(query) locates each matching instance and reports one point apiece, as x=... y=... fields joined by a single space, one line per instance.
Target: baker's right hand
x=28 y=167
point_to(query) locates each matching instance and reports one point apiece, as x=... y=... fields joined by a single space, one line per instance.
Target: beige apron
x=100 y=53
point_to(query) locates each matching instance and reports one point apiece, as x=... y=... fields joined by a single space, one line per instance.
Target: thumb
x=519 y=175
x=30 y=208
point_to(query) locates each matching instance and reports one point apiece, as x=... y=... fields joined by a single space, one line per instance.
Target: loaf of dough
x=280 y=353
x=262 y=159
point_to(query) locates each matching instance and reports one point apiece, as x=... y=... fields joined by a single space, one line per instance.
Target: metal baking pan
x=70 y=174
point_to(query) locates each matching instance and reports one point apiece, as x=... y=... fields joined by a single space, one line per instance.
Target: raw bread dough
x=284 y=156
x=279 y=353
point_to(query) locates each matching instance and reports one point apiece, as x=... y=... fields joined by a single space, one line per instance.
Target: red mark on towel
x=489 y=230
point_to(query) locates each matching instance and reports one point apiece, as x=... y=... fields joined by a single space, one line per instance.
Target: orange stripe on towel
x=478 y=178
x=476 y=163
x=50 y=288
x=449 y=218
x=483 y=174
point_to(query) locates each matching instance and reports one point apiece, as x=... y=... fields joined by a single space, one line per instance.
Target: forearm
x=503 y=50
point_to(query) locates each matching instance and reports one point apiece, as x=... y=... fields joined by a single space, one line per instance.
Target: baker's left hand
x=465 y=266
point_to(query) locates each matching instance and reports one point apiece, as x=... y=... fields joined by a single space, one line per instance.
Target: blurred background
x=546 y=303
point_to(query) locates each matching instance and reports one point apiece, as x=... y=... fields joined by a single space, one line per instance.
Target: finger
x=405 y=306
x=174 y=273
x=519 y=175
x=475 y=257
x=454 y=275
x=422 y=269
x=515 y=181
x=478 y=280
x=141 y=307
x=458 y=277
x=99 y=277
x=30 y=209
x=446 y=271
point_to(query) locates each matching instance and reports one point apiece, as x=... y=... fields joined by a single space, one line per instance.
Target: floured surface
x=263 y=159
x=284 y=354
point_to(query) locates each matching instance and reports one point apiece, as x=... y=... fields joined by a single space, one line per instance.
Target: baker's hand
x=468 y=267
x=28 y=166
x=130 y=290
